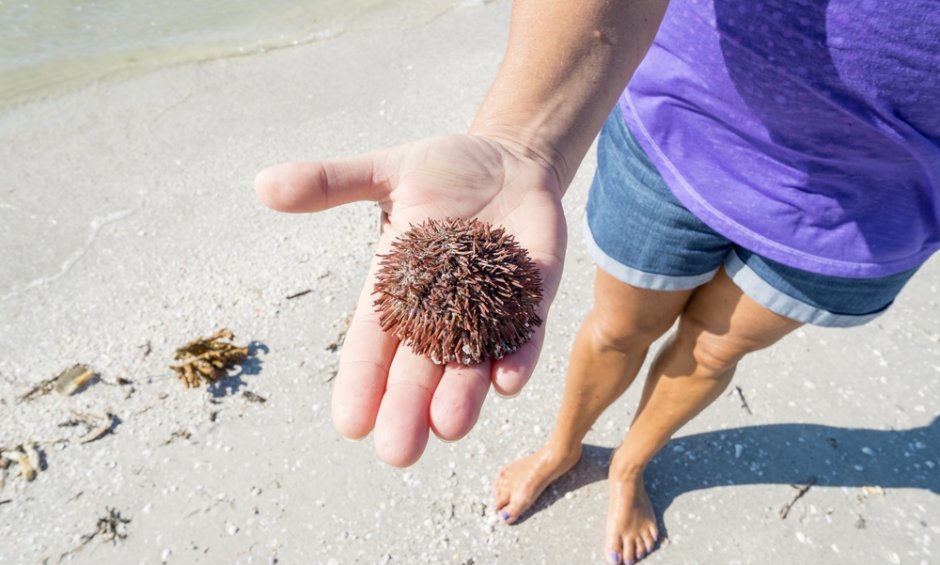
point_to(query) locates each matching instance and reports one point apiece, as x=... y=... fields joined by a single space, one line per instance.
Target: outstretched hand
x=381 y=383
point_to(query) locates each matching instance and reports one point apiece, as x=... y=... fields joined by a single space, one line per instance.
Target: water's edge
x=35 y=66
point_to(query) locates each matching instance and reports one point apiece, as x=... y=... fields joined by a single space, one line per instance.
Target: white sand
x=127 y=217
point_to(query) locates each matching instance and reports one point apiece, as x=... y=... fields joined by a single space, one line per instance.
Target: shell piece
x=458 y=290
x=98 y=424
x=26 y=468
x=32 y=453
x=72 y=379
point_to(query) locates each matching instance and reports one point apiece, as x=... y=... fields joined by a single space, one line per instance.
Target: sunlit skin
x=382 y=386
x=718 y=325
x=564 y=67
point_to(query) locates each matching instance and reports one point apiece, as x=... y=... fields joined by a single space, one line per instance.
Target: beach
x=129 y=226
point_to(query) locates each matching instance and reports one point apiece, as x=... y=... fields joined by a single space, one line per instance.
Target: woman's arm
x=565 y=65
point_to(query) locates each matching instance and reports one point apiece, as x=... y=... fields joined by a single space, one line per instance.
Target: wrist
x=525 y=143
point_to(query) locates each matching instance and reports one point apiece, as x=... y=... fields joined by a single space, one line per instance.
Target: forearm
x=565 y=65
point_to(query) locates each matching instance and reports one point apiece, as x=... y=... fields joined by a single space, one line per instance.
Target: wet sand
x=128 y=226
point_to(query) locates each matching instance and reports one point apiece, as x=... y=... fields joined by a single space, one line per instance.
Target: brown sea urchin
x=458 y=290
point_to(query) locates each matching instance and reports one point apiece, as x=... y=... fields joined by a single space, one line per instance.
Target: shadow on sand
x=232 y=384
x=785 y=454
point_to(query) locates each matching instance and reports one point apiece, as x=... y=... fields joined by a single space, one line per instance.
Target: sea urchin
x=458 y=290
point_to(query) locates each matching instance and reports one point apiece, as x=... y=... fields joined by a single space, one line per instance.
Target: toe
x=500 y=496
x=614 y=547
x=511 y=512
x=629 y=551
x=645 y=546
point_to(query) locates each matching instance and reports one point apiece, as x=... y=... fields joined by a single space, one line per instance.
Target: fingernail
x=613 y=557
x=504 y=516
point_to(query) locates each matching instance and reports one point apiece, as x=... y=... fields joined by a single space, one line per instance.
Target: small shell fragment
x=26 y=469
x=72 y=379
x=100 y=424
x=32 y=453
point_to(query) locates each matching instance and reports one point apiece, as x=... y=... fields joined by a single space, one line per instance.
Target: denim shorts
x=638 y=232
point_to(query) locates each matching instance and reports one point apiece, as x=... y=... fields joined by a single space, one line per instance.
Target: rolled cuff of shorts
x=637 y=278
x=776 y=301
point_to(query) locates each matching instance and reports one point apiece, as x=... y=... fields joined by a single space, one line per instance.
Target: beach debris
x=26 y=456
x=299 y=294
x=65 y=383
x=75 y=377
x=97 y=424
x=744 y=403
x=40 y=389
x=178 y=434
x=208 y=358
x=146 y=347
x=341 y=337
x=800 y=491
x=253 y=397
x=32 y=453
x=458 y=290
x=111 y=527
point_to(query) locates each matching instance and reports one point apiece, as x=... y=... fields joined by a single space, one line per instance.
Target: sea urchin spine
x=458 y=290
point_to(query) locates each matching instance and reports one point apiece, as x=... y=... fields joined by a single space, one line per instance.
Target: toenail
x=504 y=515
x=640 y=555
x=613 y=557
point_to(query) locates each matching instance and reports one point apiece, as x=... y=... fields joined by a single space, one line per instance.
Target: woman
x=771 y=164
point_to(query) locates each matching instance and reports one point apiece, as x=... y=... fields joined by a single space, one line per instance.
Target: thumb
x=312 y=186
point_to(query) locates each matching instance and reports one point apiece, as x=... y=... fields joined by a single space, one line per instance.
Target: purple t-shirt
x=806 y=131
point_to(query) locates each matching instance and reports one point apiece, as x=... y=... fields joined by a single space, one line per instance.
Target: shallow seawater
x=47 y=46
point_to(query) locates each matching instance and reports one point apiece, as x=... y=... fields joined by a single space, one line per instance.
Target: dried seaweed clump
x=208 y=358
x=458 y=290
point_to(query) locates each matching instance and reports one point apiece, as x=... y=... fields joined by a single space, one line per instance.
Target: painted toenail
x=613 y=557
x=640 y=555
x=504 y=515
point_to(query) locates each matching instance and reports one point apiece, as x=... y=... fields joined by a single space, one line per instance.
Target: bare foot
x=520 y=483
x=631 y=522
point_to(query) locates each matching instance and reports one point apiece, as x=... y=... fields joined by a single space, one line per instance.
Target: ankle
x=562 y=451
x=625 y=467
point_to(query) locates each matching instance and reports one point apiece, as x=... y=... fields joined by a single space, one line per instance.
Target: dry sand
x=128 y=226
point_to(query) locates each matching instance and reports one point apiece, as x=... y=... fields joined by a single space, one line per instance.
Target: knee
x=712 y=355
x=613 y=331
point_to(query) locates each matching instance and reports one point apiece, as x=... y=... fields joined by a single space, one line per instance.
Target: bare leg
x=718 y=326
x=608 y=351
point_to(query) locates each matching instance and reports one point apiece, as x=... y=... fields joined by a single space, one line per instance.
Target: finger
x=311 y=186
x=363 y=368
x=513 y=371
x=455 y=406
x=401 y=428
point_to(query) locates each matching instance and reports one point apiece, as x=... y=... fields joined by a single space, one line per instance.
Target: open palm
x=381 y=383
